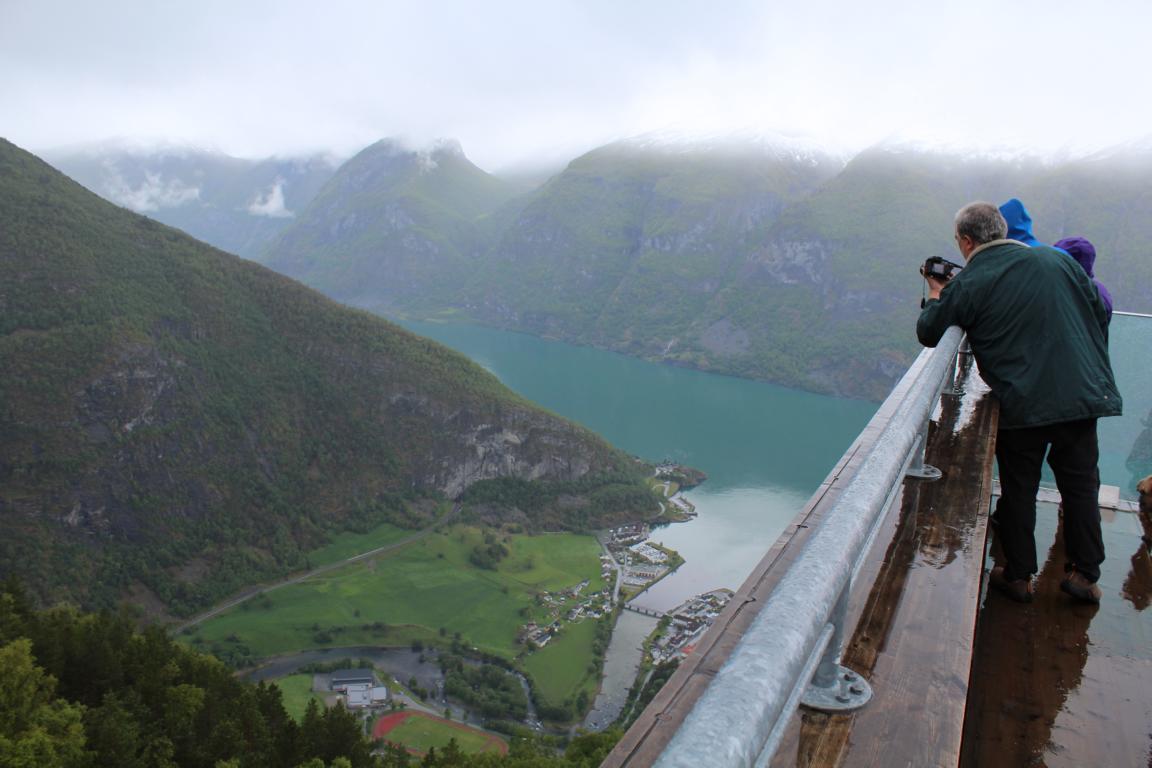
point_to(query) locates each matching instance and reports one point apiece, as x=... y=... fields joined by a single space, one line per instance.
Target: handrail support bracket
x=848 y=692
x=917 y=469
x=834 y=687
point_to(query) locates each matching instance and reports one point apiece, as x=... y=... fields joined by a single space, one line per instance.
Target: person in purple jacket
x=1085 y=254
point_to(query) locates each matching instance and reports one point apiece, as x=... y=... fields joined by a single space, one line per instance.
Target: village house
x=649 y=553
x=363 y=696
x=342 y=678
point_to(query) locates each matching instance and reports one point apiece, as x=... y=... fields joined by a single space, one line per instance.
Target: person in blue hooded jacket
x=1019 y=223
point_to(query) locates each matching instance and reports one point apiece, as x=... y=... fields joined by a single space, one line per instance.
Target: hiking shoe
x=1078 y=586
x=1019 y=590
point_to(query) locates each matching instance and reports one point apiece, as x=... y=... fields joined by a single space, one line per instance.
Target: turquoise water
x=765 y=448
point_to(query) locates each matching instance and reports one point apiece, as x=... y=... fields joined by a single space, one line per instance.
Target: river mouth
x=622 y=661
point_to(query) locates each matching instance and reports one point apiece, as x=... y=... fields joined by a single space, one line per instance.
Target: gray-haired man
x=1038 y=331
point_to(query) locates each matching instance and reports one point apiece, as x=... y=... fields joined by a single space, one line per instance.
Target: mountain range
x=751 y=256
x=764 y=260
x=176 y=422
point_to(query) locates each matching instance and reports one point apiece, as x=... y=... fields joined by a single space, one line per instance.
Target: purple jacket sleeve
x=1105 y=297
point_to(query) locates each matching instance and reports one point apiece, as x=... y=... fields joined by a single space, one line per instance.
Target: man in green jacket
x=1038 y=330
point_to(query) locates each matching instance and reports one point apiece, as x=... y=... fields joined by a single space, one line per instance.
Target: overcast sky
x=517 y=80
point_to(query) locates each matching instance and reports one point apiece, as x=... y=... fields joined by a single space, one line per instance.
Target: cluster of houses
x=640 y=562
x=533 y=634
x=689 y=622
x=359 y=688
x=591 y=606
x=607 y=568
x=649 y=553
x=626 y=535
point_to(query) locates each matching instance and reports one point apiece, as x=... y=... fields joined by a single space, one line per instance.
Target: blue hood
x=1019 y=222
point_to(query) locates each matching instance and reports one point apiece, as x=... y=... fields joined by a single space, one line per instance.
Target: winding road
x=248 y=594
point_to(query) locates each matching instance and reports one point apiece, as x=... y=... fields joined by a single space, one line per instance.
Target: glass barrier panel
x=1126 y=441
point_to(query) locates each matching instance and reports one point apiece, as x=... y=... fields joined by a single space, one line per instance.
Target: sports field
x=419 y=732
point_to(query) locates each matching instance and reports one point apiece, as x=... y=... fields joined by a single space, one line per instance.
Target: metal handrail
x=740 y=718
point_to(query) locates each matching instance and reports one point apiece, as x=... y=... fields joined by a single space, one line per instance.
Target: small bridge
x=645 y=611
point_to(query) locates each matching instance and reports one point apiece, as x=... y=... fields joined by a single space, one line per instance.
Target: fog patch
x=271 y=203
x=426 y=162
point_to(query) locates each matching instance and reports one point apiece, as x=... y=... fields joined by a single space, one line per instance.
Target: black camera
x=939 y=268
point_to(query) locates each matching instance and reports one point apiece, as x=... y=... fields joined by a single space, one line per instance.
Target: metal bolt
x=850 y=676
x=856 y=689
x=842 y=698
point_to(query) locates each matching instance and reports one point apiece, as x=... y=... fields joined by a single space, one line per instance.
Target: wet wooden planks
x=1058 y=683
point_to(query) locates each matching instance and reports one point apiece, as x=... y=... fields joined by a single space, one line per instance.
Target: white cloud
x=516 y=78
x=152 y=194
x=271 y=203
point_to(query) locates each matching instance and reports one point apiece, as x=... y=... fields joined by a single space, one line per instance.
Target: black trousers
x=1073 y=454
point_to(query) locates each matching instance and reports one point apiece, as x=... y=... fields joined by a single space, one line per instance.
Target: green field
x=297 y=690
x=419 y=733
x=414 y=592
x=345 y=545
x=560 y=669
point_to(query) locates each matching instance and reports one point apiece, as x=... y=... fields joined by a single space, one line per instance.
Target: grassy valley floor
x=433 y=592
x=561 y=669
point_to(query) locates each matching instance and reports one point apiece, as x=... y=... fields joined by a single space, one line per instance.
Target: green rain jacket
x=1038 y=330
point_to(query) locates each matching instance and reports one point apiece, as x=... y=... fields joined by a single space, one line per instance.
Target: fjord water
x=765 y=448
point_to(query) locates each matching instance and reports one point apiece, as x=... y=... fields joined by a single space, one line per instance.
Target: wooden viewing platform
x=1063 y=684
x=959 y=677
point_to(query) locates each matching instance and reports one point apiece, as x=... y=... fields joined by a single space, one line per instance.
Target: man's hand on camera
x=934 y=287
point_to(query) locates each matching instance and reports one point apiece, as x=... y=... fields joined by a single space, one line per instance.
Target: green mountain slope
x=394 y=228
x=177 y=422
x=633 y=240
x=829 y=294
